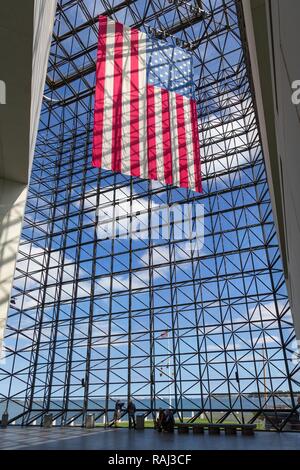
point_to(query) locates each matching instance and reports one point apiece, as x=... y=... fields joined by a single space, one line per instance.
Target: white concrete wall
x=12 y=197
x=16 y=40
x=44 y=13
x=25 y=37
x=284 y=40
x=273 y=36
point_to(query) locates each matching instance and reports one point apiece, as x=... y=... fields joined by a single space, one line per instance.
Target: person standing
x=118 y=409
x=298 y=407
x=160 y=420
x=169 y=422
x=131 y=409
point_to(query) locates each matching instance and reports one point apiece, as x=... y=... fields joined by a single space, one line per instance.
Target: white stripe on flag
x=174 y=140
x=158 y=135
x=126 y=80
x=108 y=95
x=189 y=142
x=143 y=104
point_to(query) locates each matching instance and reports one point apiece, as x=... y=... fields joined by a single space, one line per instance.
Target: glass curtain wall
x=208 y=332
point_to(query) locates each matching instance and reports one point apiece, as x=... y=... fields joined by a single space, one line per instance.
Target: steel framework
x=93 y=321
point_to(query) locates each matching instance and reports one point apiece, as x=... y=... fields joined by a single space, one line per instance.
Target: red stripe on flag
x=182 y=147
x=151 y=136
x=166 y=135
x=116 y=147
x=196 y=147
x=99 y=94
x=134 y=104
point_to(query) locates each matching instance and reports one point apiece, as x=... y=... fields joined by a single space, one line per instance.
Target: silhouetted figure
x=169 y=422
x=131 y=409
x=160 y=420
x=118 y=409
x=298 y=407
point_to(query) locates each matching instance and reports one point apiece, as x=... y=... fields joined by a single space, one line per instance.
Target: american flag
x=145 y=118
x=164 y=334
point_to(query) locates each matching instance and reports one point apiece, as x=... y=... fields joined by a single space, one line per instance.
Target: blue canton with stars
x=170 y=67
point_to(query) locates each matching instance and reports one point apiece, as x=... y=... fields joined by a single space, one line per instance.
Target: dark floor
x=124 y=439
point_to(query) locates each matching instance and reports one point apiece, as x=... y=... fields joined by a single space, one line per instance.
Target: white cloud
x=268 y=339
x=266 y=311
x=222 y=137
x=34 y=266
x=100 y=331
